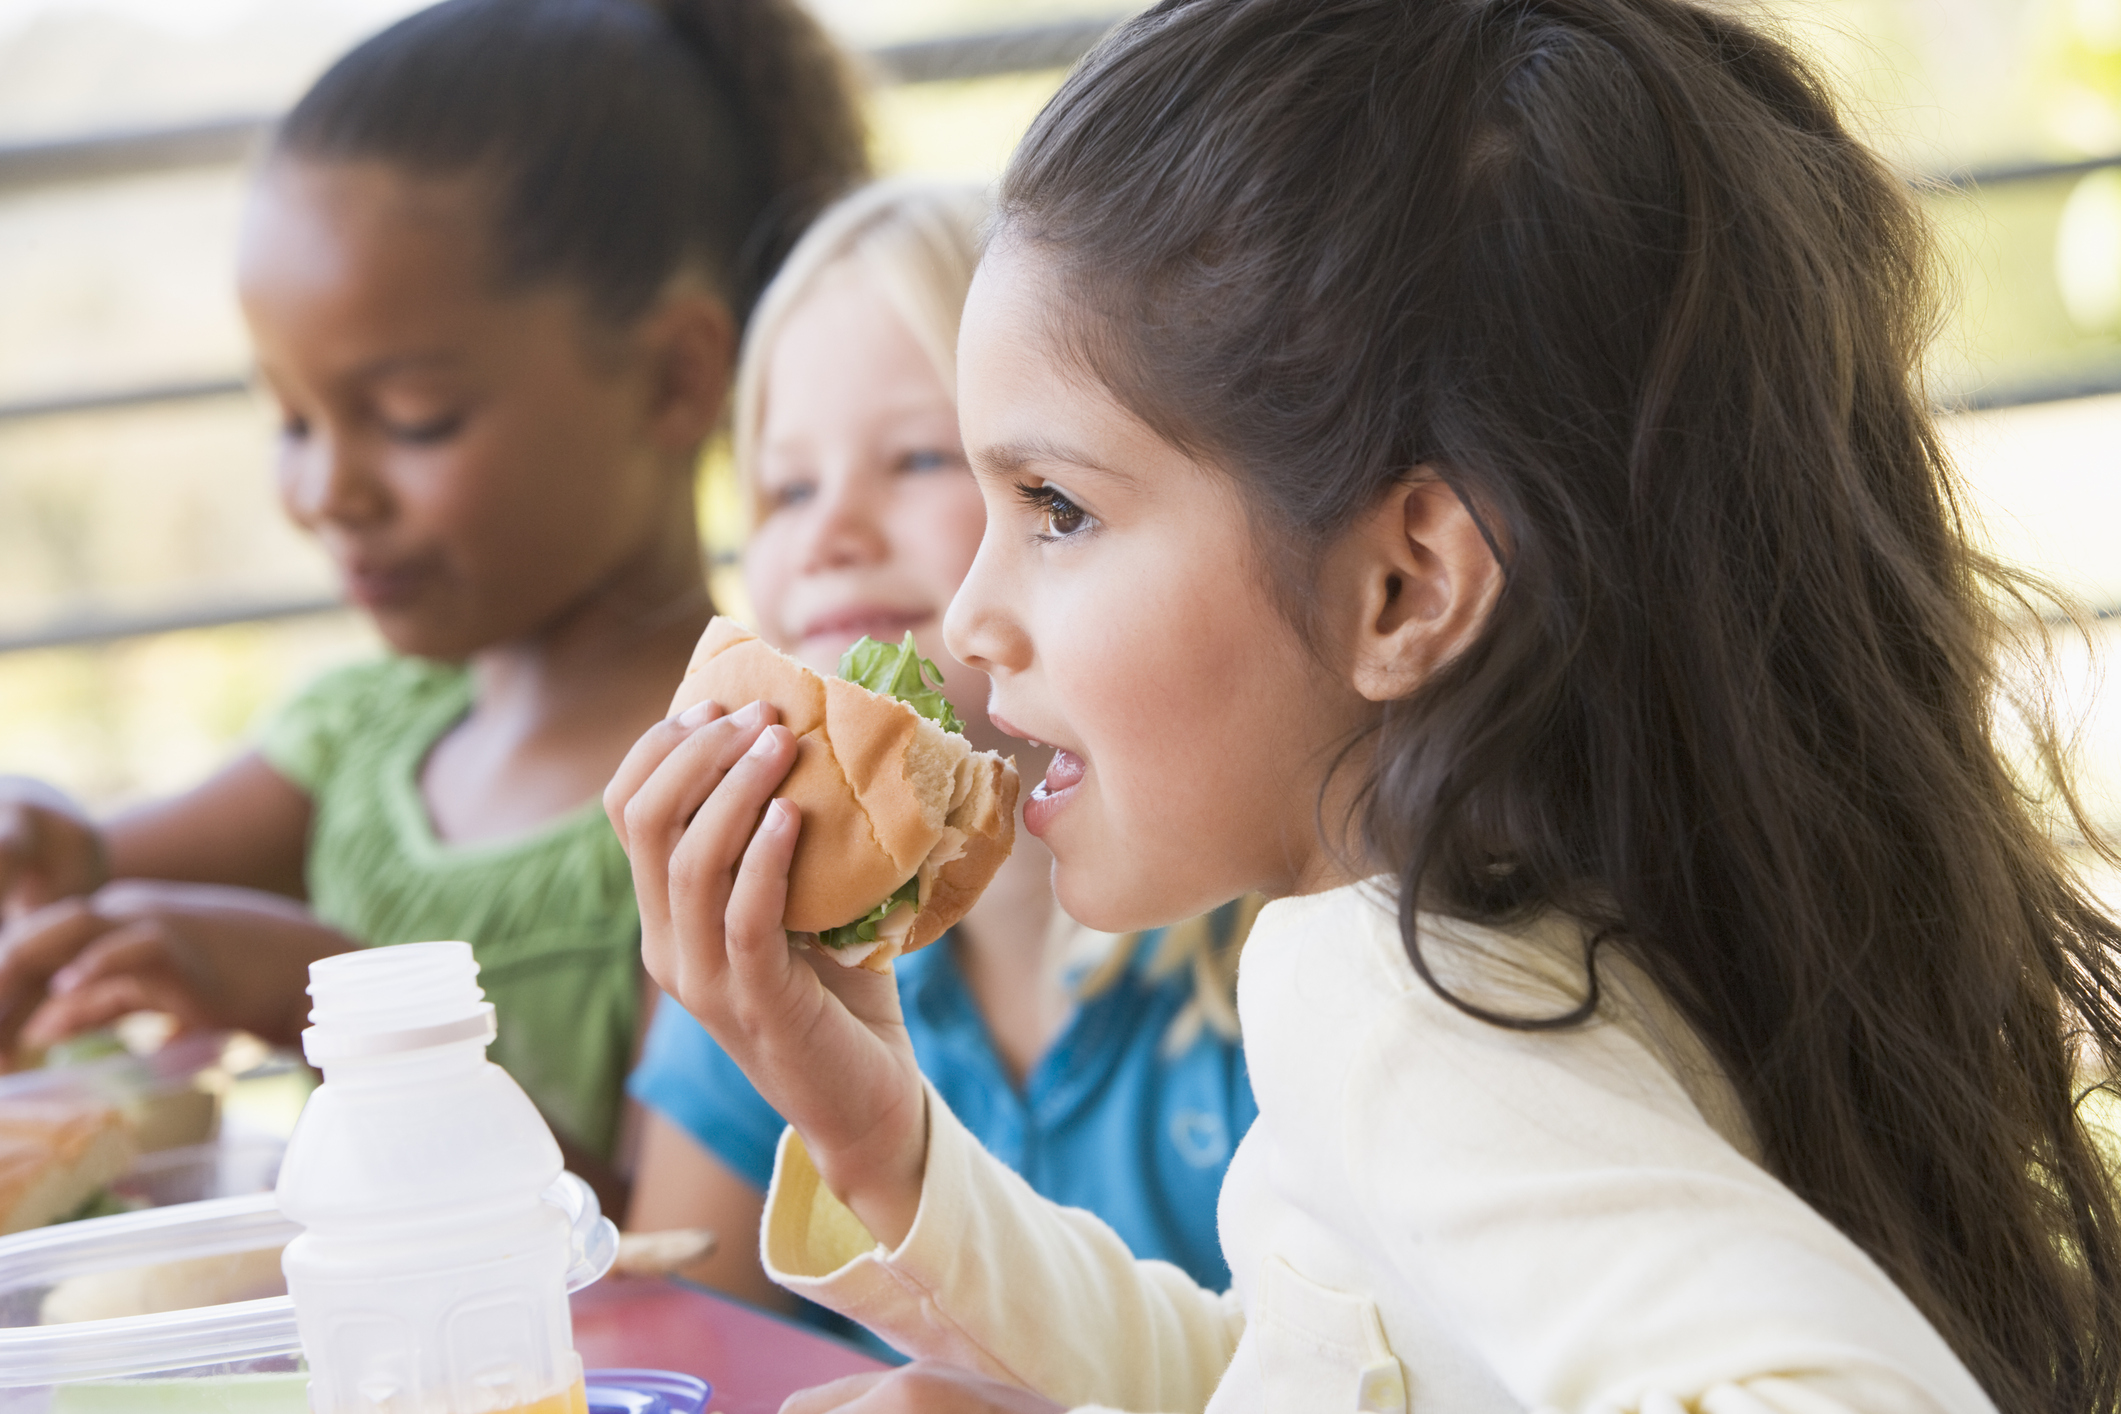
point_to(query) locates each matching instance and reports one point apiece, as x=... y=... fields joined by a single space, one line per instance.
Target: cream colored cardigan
x=1430 y=1214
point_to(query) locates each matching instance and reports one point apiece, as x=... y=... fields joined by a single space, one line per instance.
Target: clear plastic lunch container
x=170 y=1097
x=140 y=1312
x=207 y=1114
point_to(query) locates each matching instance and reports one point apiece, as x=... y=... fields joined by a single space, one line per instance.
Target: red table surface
x=753 y=1359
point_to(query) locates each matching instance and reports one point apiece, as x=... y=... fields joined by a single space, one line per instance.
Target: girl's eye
x=788 y=495
x=425 y=434
x=1062 y=516
x=930 y=459
x=294 y=429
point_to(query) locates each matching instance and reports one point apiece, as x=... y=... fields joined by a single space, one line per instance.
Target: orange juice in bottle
x=572 y=1400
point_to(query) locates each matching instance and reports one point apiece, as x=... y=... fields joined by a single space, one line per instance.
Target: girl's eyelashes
x=424 y=434
x=296 y=428
x=1063 y=518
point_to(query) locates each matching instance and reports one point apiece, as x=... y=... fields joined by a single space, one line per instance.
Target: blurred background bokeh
x=152 y=603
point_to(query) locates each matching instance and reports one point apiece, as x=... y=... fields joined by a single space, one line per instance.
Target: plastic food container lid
x=174 y=1340
x=646 y=1392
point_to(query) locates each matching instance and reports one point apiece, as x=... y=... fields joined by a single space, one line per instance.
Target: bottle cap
x=645 y=1392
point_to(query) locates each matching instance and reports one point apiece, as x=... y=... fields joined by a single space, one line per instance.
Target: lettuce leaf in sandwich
x=898 y=670
x=893 y=670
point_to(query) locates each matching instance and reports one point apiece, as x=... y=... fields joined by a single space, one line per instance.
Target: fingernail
x=778 y=814
x=697 y=713
x=749 y=715
x=763 y=746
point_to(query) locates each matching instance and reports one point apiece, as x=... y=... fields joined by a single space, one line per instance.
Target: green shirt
x=549 y=915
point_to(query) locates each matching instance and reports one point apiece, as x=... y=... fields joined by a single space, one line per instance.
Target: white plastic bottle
x=429 y=1277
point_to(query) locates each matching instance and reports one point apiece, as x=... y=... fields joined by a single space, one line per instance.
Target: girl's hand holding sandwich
x=824 y=1043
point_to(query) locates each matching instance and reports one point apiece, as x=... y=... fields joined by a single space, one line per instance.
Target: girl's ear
x=1423 y=576
x=690 y=340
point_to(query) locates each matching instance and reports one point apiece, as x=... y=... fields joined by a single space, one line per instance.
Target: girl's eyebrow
x=1011 y=458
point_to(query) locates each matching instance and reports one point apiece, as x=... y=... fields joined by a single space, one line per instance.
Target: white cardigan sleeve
x=995 y=1278
x=1603 y=1248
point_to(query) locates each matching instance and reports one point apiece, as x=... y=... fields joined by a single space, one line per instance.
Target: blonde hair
x=917 y=239
x=1208 y=947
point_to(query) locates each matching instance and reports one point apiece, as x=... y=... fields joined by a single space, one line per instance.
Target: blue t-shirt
x=1106 y=1120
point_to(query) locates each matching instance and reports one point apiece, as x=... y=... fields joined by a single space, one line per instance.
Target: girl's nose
x=323 y=481
x=845 y=526
x=980 y=629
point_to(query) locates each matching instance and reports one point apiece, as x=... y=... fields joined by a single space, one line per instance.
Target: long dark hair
x=1615 y=269
x=624 y=140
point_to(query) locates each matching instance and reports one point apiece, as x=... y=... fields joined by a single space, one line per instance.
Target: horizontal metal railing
x=86 y=628
x=118 y=399
x=1014 y=51
x=2005 y=174
x=111 y=156
x=222 y=141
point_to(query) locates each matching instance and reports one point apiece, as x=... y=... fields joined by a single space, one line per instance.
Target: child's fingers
x=687 y=777
x=653 y=748
x=758 y=947
x=130 y=968
x=713 y=840
x=33 y=949
x=96 y=1005
x=137 y=945
x=703 y=865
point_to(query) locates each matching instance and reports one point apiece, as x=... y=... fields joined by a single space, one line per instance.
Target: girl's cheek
x=767 y=574
x=935 y=532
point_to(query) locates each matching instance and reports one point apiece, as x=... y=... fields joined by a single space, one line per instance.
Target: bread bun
x=55 y=1153
x=885 y=794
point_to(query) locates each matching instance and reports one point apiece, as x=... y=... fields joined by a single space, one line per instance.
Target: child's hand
x=49 y=849
x=924 y=1387
x=823 y=1043
x=213 y=957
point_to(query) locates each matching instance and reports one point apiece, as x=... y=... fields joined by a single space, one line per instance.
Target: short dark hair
x=625 y=140
x=1616 y=271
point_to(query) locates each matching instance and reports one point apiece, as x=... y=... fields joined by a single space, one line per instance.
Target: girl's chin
x=430 y=635
x=1089 y=896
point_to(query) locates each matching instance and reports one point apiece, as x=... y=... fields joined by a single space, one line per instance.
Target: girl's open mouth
x=1051 y=795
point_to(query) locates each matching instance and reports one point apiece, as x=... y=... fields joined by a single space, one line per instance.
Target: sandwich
x=56 y=1153
x=903 y=822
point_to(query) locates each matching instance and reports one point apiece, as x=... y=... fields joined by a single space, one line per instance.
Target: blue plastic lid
x=645 y=1392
